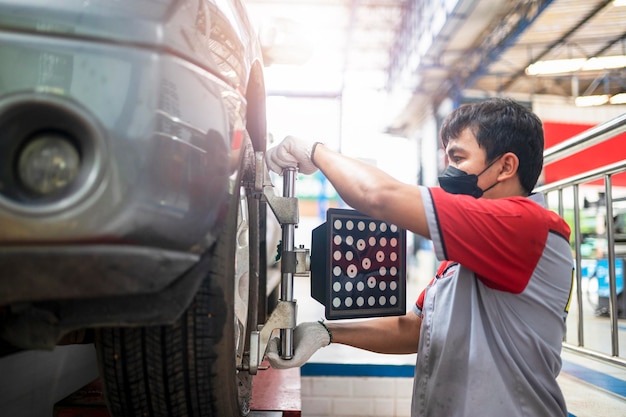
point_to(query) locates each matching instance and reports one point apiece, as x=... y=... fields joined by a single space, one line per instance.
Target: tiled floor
x=592 y=388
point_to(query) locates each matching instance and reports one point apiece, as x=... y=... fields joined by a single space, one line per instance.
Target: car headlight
x=48 y=163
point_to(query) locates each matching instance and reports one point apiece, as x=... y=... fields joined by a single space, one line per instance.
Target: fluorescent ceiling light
x=555 y=66
x=618 y=99
x=619 y=2
x=605 y=62
x=586 y=101
x=559 y=66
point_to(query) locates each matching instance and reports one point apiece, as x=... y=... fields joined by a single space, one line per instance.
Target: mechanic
x=488 y=328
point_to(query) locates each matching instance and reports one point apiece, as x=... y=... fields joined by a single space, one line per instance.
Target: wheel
x=190 y=368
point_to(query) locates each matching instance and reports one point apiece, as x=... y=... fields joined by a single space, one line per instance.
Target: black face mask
x=455 y=181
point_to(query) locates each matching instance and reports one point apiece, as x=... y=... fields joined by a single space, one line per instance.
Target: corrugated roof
x=481 y=46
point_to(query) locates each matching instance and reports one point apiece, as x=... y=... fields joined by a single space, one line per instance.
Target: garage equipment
x=293 y=262
x=359 y=266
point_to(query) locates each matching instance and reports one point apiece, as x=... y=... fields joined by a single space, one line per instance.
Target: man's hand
x=291 y=152
x=308 y=338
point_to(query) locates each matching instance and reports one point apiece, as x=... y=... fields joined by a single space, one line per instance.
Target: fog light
x=48 y=164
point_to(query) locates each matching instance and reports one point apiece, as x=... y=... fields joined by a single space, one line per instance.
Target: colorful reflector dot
x=371 y=282
x=352 y=271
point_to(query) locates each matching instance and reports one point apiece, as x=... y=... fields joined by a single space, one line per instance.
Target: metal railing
x=568 y=192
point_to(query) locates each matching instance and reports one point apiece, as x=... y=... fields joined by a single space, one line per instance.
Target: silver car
x=128 y=137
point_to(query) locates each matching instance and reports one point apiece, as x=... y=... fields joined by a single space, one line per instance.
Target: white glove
x=291 y=152
x=307 y=339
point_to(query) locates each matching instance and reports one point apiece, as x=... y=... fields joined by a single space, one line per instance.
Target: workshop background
x=374 y=79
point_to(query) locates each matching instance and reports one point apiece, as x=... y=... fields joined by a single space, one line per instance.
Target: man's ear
x=509 y=163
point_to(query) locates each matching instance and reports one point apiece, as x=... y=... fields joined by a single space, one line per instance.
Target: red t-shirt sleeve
x=500 y=240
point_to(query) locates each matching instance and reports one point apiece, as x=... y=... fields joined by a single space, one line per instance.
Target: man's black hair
x=501 y=125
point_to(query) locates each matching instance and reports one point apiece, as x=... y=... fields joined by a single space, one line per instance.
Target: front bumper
x=156 y=177
x=35 y=274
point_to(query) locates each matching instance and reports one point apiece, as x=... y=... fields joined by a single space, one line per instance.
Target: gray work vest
x=490 y=353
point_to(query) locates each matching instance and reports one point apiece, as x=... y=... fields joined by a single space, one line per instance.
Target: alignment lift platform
x=275 y=393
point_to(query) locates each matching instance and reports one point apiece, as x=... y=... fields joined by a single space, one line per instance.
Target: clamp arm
x=295 y=262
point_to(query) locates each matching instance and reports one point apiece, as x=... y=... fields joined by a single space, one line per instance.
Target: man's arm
x=382 y=335
x=372 y=191
x=399 y=334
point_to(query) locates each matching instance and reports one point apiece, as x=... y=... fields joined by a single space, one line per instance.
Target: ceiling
x=332 y=42
x=565 y=29
x=427 y=51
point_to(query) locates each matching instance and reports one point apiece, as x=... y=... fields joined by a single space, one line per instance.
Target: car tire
x=189 y=368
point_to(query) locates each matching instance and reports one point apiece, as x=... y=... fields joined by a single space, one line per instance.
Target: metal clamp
x=285 y=208
x=283 y=317
x=295 y=262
